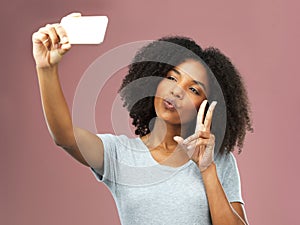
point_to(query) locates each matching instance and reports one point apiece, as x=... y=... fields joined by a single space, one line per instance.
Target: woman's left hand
x=200 y=146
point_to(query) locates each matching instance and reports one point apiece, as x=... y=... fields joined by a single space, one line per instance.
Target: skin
x=50 y=43
x=186 y=94
x=173 y=126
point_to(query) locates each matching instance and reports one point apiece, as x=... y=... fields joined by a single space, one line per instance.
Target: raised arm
x=50 y=43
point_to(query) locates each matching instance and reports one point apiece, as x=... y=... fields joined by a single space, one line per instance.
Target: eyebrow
x=195 y=81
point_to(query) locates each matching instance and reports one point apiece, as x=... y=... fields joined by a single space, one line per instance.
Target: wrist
x=47 y=69
x=208 y=169
x=47 y=73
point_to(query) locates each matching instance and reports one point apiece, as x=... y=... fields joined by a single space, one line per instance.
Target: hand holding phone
x=50 y=43
x=85 y=29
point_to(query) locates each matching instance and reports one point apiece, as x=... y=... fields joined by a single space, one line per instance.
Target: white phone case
x=85 y=29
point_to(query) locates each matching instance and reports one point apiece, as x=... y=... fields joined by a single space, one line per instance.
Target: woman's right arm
x=50 y=43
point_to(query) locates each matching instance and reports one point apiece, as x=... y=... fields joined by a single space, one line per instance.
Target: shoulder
x=115 y=138
x=121 y=142
x=226 y=165
x=129 y=151
x=225 y=159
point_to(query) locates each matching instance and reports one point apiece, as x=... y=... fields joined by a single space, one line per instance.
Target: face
x=180 y=93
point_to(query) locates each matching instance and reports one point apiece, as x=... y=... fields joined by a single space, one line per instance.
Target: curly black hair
x=158 y=58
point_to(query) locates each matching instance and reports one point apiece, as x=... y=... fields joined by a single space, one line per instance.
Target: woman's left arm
x=203 y=142
x=222 y=212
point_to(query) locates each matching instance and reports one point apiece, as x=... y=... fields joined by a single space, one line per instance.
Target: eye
x=171 y=78
x=194 y=90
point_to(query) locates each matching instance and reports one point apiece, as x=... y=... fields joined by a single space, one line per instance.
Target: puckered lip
x=171 y=101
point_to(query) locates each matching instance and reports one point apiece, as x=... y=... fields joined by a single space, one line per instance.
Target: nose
x=177 y=91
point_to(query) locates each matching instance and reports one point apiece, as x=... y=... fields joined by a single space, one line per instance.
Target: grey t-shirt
x=147 y=192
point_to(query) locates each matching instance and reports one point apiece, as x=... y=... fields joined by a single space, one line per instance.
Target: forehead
x=194 y=69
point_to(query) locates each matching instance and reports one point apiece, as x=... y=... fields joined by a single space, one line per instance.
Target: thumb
x=64 y=48
x=178 y=139
x=57 y=54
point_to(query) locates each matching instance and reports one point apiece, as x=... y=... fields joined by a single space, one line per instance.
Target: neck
x=162 y=134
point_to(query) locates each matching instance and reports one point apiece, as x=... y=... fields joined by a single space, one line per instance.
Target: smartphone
x=85 y=29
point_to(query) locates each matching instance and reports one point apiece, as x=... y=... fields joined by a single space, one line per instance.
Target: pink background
x=40 y=184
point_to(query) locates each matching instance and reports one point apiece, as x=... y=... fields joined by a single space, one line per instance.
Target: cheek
x=163 y=84
x=189 y=112
x=193 y=101
x=156 y=103
x=191 y=107
x=159 y=89
x=162 y=89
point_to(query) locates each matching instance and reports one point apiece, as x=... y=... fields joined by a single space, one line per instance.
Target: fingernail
x=213 y=104
x=176 y=138
x=65 y=46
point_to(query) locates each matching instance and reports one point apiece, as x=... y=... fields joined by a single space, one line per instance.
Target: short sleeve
x=231 y=179
x=109 y=161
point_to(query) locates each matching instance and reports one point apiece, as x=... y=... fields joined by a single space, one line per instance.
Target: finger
x=209 y=115
x=53 y=35
x=194 y=155
x=200 y=114
x=62 y=34
x=47 y=43
x=50 y=32
x=64 y=44
x=198 y=143
x=178 y=139
x=196 y=135
x=211 y=141
x=39 y=37
x=64 y=48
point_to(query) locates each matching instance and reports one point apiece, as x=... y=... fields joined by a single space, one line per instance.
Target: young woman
x=180 y=169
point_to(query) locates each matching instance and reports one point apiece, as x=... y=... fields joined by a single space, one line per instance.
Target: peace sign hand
x=202 y=141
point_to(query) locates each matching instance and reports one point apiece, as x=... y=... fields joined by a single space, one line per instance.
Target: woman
x=179 y=170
